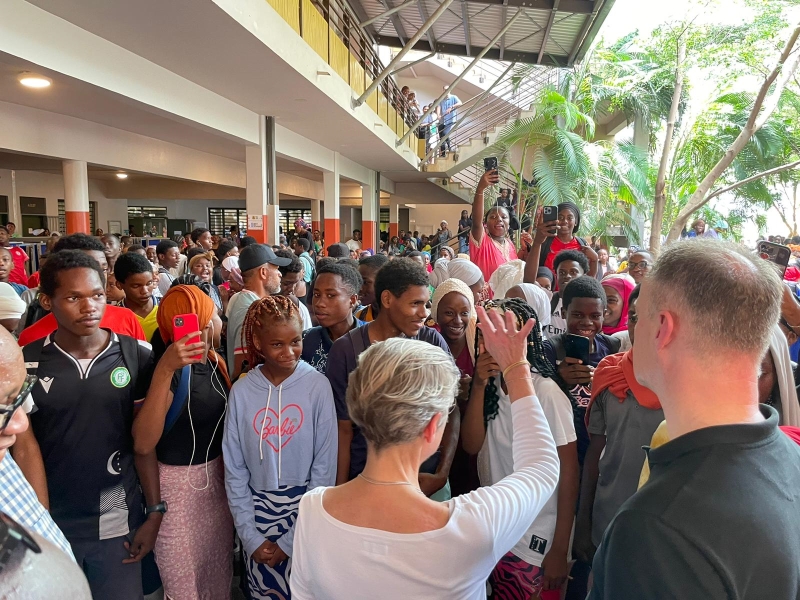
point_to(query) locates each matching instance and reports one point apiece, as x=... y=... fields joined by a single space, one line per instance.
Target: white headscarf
x=12 y=306
x=458 y=268
x=231 y=263
x=507 y=276
x=465 y=270
x=537 y=298
x=456 y=285
x=779 y=348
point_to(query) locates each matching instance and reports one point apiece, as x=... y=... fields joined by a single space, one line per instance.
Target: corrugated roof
x=548 y=32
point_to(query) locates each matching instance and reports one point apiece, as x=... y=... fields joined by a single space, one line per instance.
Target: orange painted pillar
x=261 y=193
x=77 y=221
x=260 y=235
x=76 y=196
x=332 y=232
x=368 y=236
x=315 y=215
x=370 y=212
x=331 y=190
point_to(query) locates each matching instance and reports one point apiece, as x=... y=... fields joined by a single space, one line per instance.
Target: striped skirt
x=276 y=512
x=194 y=547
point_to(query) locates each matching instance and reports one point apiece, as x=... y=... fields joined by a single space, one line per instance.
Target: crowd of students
x=142 y=439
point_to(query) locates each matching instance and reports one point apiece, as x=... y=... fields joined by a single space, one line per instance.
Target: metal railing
x=507 y=99
x=333 y=30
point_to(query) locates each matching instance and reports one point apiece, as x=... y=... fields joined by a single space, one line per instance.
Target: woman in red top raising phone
x=554 y=237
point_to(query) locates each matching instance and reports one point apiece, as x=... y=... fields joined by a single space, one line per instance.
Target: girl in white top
x=378 y=536
x=537 y=566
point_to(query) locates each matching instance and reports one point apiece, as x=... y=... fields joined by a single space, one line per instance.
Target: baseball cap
x=257 y=255
x=339 y=250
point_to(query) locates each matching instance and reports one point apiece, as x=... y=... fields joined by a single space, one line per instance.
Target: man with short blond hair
x=718 y=518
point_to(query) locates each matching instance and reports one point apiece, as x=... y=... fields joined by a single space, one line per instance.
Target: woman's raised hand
x=502 y=339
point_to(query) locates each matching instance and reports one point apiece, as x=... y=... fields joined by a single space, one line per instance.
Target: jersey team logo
x=46 y=382
x=120 y=377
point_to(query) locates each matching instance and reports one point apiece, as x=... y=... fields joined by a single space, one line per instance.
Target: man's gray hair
x=398 y=387
x=731 y=296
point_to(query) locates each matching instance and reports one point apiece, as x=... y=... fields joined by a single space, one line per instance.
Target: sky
x=646 y=15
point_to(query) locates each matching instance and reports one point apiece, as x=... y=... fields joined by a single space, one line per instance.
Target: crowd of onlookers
x=446 y=416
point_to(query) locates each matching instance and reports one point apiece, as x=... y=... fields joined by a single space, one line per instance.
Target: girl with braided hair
x=538 y=565
x=280 y=441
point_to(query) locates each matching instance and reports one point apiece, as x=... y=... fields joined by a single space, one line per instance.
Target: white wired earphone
x=221 y=391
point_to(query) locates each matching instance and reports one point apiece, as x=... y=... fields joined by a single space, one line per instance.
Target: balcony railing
x=332 y=30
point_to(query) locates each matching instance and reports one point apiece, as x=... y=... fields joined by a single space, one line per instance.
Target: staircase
x=480 y=123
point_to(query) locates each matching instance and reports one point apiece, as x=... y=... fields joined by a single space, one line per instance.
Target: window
x=147 y=212
x=92 y=217
x=289 y=215
x=62 y=217
x=220 y=220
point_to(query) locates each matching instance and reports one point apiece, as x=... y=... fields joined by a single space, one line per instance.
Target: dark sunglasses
x=7 y=411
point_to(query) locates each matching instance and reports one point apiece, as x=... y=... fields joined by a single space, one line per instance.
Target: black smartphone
x=775 y=253
x=577 y=346
x=550 y=214
x=490 y=163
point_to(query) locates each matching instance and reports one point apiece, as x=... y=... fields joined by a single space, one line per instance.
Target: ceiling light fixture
x=32 y=80
x=122 y=175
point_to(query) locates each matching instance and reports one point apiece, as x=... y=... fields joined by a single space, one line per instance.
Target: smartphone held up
x=775 y=253
x=183 y=325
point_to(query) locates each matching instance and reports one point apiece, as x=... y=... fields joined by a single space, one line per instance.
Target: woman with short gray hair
x=378 y=536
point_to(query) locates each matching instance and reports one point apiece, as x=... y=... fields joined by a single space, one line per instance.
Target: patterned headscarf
x=455 y=285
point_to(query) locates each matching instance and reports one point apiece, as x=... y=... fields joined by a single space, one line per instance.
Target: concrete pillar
x=330 y=181
x=14 y=212
x=394 y=217
x=370 y=211
x=76 y=196
x=262 y=193
x=315 y=215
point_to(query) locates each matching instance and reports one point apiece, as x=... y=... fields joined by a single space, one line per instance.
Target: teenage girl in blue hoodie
x=280 y=441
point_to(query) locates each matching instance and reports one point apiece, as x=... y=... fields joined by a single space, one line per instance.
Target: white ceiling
x=75 y=98
x=199 y=41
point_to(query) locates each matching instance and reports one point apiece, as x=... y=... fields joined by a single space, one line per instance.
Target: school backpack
x=34 y=313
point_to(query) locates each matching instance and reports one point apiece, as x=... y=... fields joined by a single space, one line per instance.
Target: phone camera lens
x=179 y=322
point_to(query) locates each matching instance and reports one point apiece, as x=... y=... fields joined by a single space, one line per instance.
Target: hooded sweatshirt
x=277 y=437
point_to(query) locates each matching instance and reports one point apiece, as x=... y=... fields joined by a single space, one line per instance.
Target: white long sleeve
x=337 y=561
x=511 y=504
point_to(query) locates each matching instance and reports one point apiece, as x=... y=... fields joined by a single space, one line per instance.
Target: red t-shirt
x=792 y=432
x=20 y=257
x=119 y=320
x=557 y=246
x=33 y=281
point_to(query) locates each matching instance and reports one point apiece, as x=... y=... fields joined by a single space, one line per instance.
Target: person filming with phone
x=182 y=419
x=489 y=244
x=555 y=232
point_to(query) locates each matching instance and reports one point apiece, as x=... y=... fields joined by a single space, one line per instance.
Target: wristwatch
x=161 y=507
x=14 y=538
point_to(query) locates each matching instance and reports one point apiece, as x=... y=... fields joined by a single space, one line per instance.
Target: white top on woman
x=337 y=561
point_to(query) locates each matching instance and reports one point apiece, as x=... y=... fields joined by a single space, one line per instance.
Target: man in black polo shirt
x=80 y=438
x=719 y=517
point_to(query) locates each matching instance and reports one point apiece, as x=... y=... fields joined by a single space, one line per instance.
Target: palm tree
x=607 y=178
